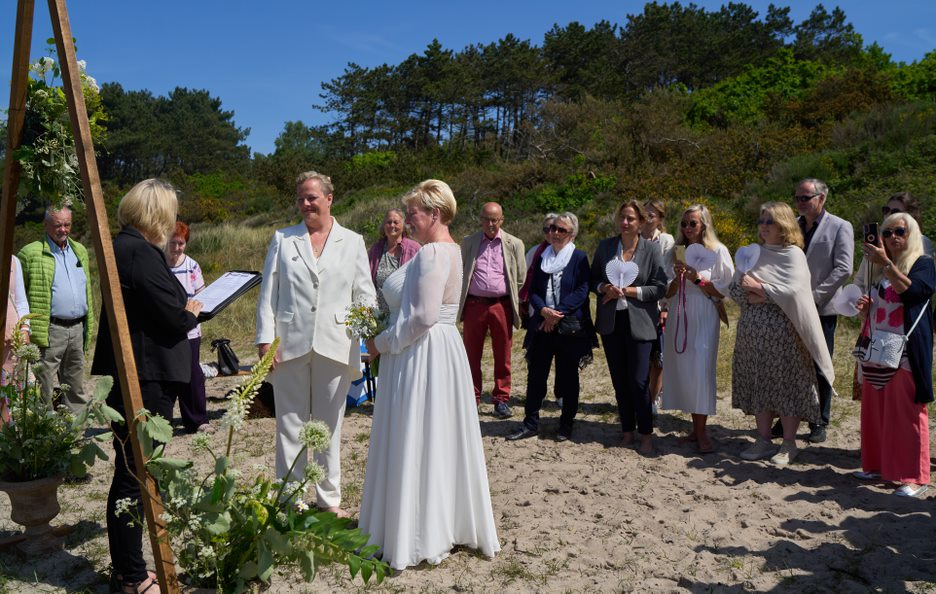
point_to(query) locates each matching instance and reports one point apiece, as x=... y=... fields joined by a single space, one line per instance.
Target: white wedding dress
x=426 y=485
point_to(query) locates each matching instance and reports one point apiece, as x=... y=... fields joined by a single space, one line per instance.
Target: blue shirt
x=69 y=285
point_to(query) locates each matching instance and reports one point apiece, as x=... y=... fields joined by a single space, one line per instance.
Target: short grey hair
x=550 y=216
x=819 y=186
x=570 y=216
x=52 y=209
x=324 y=181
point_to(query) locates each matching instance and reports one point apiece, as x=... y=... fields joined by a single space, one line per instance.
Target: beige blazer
x=304 y=302
x=514 y=265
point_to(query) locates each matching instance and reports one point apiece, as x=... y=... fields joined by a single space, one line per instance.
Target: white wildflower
x=315 y=436
x=122 y=506
x=301 y=506
x=206 y=552
x=27 y=352
x=201 y=442
x=82 y=65
x=314 y=473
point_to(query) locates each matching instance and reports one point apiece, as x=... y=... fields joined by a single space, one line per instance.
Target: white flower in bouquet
x=365 y=320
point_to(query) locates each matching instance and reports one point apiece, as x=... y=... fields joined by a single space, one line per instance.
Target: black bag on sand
x=228 y=363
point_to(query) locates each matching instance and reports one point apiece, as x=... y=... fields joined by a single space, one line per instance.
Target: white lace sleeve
x=423 y=290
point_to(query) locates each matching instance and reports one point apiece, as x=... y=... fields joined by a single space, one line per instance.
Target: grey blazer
x=651 y=279
x=830 y=257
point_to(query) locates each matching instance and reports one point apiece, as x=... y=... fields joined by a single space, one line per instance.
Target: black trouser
x=822 y=384
x=193 y=404
x=126 y=541
x=541 y=349
x=629 y=366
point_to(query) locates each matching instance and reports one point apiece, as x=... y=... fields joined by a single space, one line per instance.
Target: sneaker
x=866 y=476
x=502 y=411
x=522 y=433
x=786 y=454
x=909 y=490
x=760 y=450
x=777 y=430
x=205 y=428
x=817 y=434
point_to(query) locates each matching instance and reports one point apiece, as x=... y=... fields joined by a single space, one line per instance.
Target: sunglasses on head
x=888 y=210
x=765 y=221
x=898 y=231
x=805 y=197
x=690 y=224
x=556 y=229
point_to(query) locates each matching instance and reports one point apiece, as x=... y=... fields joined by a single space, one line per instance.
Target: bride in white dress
x=426 y=485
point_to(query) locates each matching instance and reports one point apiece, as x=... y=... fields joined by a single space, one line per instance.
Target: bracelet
x=888 y=266
x=699 y=281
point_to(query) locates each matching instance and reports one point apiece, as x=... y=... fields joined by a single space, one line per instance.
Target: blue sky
x=267 y=60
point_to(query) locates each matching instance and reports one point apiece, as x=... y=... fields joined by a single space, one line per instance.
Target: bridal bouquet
x=365 y=320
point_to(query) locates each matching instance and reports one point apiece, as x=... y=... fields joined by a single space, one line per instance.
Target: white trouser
x=311 y=387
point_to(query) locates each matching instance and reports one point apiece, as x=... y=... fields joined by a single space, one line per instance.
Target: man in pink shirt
x=494 y=271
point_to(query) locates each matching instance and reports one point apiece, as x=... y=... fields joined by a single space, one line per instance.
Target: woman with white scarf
x=779 y=343
x=560 y=327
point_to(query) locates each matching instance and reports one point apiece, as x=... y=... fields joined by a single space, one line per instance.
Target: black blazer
x=573 y=291
x=155 y=305
x=643 y=314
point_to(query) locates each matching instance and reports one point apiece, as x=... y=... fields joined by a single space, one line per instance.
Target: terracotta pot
x=34 y=504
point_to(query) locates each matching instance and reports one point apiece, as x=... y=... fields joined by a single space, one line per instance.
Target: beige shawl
x=785 y=275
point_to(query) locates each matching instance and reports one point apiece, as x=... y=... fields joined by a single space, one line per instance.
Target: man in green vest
x=58 y=288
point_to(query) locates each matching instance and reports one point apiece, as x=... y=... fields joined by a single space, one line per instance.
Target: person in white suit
x=313 y=272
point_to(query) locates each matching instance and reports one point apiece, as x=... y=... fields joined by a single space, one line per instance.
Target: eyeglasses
x=898 y=231
x=805 y=197
x=888 y=210
x=559 y=230
x=691 y=224
x=765 y=221
x=545 y=228
x=491 y=219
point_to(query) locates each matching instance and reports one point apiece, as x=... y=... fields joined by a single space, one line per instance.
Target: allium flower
x=27 y=352
x=315 y=436
x=314 y=473
x=201 y=442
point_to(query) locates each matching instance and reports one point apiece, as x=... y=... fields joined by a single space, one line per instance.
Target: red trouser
x=480 y=316
x=895 y=431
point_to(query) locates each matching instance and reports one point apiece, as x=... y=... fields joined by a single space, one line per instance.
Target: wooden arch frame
x=110 y=284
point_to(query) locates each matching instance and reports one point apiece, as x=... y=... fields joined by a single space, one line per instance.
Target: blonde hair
x=904 y=262
x=785 y=220
x=150 y=207
x=324 y=181
x=431 y=194
x=709 y=237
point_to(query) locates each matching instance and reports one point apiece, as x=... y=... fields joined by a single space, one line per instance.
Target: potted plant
x=40 y=445
x=230 y=531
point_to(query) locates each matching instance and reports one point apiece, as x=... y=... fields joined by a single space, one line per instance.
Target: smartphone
x=871 y=233
x=680 y=253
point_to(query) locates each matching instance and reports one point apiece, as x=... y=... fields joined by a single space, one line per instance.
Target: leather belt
x=67 y=323
x=489 y=300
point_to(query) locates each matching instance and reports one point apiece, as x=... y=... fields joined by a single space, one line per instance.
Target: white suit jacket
x=304 y=303
x=831 y=259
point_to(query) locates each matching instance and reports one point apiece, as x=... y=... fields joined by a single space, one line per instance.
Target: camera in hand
x=871 y=233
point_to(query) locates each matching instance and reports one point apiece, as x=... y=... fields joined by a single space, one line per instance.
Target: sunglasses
x=888 y=210
x=805 y=197
x=559 y=230
x=765 y=221
x=690 y=224
x=898 y=231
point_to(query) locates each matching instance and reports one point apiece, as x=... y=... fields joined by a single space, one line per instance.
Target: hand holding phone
x=680 y=253
x=871 y=233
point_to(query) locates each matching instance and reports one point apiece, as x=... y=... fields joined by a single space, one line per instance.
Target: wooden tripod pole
x=97 y=217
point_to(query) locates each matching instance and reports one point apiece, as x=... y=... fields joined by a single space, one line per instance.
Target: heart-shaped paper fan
x=746 y=257
x=845 y=301
x=699 y=257
x=621 y=274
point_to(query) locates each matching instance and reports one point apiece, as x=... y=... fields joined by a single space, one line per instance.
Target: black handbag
x=570 y=326
x=228 y=363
